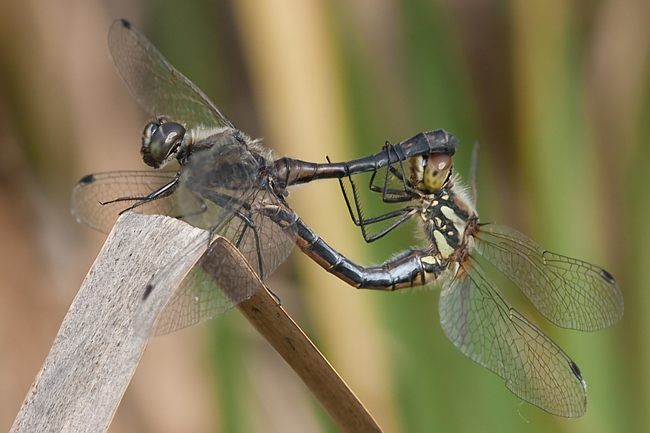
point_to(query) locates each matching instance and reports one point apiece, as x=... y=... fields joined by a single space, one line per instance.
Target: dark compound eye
x=149 y=130
x=162 y=140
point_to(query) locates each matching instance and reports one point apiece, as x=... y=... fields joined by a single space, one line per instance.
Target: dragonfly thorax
x=221 y=162
x=446 y=215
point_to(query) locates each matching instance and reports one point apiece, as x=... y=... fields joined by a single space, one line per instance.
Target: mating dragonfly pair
x=229 y=184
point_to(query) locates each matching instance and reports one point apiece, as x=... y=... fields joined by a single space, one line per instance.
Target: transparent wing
x=220 y=190
x=228 y=279
x=264 y=244
x=198 y=297
x=225 y=178
x=479 y=321
x=157 y=86
x=236 y=215
x=568 y=292
x=95 y=189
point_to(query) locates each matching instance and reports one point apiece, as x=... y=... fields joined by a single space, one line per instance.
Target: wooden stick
x=103 y=336
x=97 y=348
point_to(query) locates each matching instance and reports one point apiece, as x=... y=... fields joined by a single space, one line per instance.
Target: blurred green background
x=557 y=93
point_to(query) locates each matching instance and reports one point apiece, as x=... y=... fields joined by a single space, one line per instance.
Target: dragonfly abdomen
x=413 y=268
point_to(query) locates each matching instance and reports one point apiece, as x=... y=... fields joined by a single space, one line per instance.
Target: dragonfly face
x=161 y=142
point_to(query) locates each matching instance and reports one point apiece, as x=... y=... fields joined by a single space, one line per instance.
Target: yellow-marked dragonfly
x=473 y=312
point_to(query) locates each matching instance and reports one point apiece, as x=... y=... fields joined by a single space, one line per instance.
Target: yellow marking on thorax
x=443 y=246
x=457 y=221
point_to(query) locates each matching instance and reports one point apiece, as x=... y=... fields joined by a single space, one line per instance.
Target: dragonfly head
x=160 y=142
x=431 y=173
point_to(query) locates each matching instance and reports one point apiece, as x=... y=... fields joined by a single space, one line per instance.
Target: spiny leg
x=402 y=214
x=235 y=207
x=162 y=192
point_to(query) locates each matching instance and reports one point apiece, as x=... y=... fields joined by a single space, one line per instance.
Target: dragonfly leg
x=164 y=191
x=402 y=214
x=238 y=208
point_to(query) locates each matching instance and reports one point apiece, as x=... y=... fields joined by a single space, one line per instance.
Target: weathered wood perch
x=103 y=336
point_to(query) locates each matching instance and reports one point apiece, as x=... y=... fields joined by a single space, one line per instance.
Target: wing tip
x=125 y=23
x=87 y=180
x=607 y=276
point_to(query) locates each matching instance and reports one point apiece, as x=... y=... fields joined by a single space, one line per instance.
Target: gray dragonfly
x=224 y=181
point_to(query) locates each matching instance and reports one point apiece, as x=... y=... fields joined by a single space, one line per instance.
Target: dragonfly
x=474 y=314
x=224 y=178
x=230 y=185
